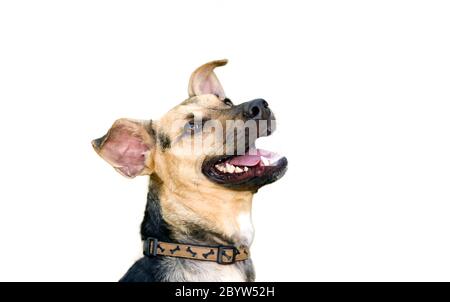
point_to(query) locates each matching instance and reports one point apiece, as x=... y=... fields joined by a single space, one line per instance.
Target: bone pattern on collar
x=219 y=254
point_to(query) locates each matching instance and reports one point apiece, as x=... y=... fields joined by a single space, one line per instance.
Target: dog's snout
x=257 y=109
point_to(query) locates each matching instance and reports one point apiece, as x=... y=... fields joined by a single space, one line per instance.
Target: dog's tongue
x=245 y=160
x=254 y=157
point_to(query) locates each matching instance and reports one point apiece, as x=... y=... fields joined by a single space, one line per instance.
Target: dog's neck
x=196 y=217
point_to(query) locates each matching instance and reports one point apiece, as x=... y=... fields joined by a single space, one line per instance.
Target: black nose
x=257 y=109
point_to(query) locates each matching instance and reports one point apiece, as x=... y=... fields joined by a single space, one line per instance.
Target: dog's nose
x=257 y=109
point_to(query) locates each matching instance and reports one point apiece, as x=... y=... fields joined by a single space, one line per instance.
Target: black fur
x=164 y=141
x=150 y=269
x=153 y=224
x=150 y=129
x=99 y=141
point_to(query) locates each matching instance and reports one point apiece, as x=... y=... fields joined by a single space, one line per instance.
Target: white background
x=360 y=88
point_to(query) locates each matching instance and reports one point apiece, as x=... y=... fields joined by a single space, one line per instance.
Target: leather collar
x=220 y=254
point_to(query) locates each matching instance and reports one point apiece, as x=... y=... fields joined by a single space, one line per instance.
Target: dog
x=197 y=224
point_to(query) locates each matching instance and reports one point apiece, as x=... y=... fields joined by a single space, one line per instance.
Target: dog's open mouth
x=255 y=168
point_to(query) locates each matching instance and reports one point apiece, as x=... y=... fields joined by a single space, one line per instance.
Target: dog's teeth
x=265 y=161
x=245 y=169
x=230 y=168
x=238 y=170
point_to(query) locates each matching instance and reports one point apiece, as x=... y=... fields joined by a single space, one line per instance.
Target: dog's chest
x=202 y=271
x=245 y=230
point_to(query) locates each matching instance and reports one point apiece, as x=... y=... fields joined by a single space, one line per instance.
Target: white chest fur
x=246 y=231
x=202 y=271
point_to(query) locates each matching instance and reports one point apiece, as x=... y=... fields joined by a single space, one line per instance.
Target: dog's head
x=206 y=141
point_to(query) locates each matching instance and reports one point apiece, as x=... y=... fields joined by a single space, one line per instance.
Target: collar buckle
x=151 y=246
x=225 y=258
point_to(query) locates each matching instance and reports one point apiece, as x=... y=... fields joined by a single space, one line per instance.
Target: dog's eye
x=228 y=102
x=193 y=126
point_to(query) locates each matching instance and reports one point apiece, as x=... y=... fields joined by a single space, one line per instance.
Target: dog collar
x=220 y=254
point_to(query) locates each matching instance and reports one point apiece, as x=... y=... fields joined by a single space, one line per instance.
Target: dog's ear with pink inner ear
x=128 y=147
x=204 y=81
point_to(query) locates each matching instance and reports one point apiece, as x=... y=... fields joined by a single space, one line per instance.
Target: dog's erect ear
x=128 y=147
x=204 y=80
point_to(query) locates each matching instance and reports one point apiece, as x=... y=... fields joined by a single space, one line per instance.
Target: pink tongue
x=252 y=158
x=245 y=160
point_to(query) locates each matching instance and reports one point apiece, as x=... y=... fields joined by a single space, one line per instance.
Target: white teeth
x=265 y=161
x=230 y=168
x=227 y=168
